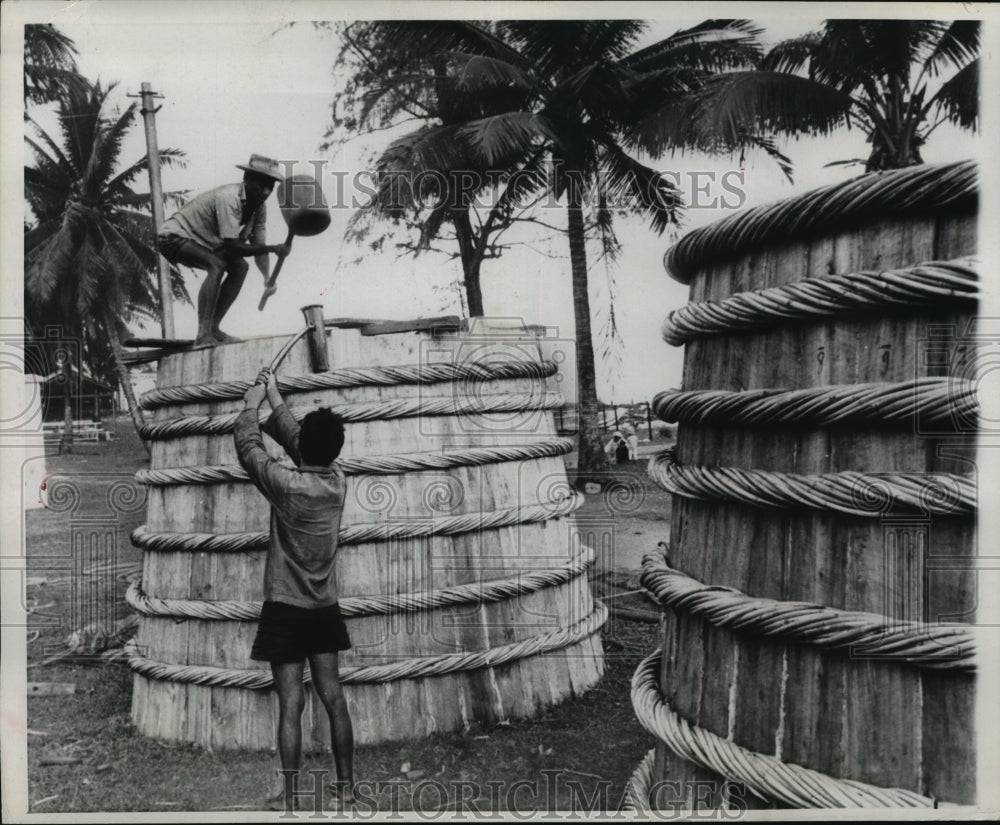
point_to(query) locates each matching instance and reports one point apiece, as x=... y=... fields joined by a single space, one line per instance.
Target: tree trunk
x=592 y=462
x=66 y=441
x=472 y=259
x=473 y=290
x=126 y=381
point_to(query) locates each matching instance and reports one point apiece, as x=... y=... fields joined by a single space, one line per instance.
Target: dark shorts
x=171 y=245
x=287 y=633
x=184 y=251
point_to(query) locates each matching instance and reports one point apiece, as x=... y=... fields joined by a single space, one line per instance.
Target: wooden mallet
x=305 y=211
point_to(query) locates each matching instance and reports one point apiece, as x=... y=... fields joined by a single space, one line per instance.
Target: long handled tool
x=305 y=211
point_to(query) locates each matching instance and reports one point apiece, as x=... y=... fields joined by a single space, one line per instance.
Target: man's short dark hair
x=321 y=437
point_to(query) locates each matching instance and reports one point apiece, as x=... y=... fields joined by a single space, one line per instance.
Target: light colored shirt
x=306 y=508
x=211 y=217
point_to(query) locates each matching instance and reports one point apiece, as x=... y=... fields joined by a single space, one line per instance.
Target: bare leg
x=236 y=273
x=291 y=702
x=208 y=298
x=198 y=257
x=326 y=677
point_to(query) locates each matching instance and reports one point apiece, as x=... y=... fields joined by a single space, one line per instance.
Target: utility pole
x=149 y=110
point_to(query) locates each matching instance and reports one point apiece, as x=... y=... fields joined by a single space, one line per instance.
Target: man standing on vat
x=216 y=231
x=300 y=618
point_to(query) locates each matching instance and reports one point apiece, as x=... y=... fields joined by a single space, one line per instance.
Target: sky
x=236 y=79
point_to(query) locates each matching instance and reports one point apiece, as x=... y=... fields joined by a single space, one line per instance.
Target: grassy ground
x=84 y=754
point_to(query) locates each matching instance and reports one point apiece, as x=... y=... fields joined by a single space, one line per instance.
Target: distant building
x=91 y=399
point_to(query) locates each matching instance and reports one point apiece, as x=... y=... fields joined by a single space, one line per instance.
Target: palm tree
x=90 y=256
x=572 y=102
x=889 y=77
x=49 y=64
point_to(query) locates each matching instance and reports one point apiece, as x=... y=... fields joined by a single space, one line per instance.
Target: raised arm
x=282 y=426
x=270 y=476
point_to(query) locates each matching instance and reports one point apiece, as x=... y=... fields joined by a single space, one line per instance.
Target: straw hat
x=263 y=166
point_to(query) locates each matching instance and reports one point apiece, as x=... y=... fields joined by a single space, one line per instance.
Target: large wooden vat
x=465 y=587
x=825 y=471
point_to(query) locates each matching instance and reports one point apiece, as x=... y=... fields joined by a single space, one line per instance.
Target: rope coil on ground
x=849 y=492
x=868 y=635
x=473 y=593
x=344 y=377
x=934 y=283
x=416 y=668
x=360 y=533
x=370 y=465
x=932 y=400
x=765 y=775
x=933 y=189
x=459 y=404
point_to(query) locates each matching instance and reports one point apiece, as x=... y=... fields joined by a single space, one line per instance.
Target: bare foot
x=339 y=794
x=222 y=338
x=203 y=343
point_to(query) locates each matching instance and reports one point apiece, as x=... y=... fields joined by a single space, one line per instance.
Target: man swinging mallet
x=216 y=231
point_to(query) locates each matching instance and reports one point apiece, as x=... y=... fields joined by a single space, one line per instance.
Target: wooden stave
x=940 y=762
x=549 y=678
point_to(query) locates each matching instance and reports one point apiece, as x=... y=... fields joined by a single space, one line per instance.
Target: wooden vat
x=465 y=587
x=863 y=508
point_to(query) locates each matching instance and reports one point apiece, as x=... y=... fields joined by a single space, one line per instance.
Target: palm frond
x=40 y=282
x=791 y=55
x=104 y=159
x=711 y=46
x=79 y=118
x=770 y=148
x=169 y=158
x=633 y=186
x=958 y=97
x=124 y=257
x=731 y=106
x=846 y=162
x=422 y=37
x=958 y=45
x=611 y=40
x=57 y=156
x=50 y=69
x=427 y=148
x=389 y=95
x=416 y=167
x=592 y=93
x=845 y=56
x=45 y=45
x=527 y=181
x=474 y=73
x=47 y=189
x=40 y=234
x=653 y=92
x=503 y=137
x=44 y=84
